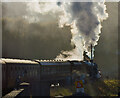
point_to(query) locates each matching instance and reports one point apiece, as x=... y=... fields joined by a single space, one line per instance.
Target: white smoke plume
x=84 y=18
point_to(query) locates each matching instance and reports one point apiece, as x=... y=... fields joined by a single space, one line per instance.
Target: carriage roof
x=41 y=62
x=18 y=61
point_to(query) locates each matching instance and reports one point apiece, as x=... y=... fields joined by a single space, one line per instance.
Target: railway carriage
x=13 y=69
x=38 y=70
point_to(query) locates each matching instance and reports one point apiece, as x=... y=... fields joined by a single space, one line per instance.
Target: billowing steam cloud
x=84 y=18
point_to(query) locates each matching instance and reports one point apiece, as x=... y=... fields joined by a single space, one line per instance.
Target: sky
x=40 y=37
x=106 y=52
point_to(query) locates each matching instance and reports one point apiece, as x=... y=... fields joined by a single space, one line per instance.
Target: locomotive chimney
x=91 y=54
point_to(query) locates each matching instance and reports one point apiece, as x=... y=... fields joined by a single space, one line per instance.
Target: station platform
x=13 y=93
x=18 y=92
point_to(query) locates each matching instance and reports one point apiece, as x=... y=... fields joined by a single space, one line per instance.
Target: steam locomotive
x=35 y=70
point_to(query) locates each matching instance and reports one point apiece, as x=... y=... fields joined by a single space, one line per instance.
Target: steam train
x=35 y=70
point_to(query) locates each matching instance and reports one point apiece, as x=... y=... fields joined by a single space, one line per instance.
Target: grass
x=92 y=88
x=60 y=91
x=113 y=86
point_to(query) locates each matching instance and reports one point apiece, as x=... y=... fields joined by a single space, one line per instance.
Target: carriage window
x=16 y=68
x=3 y=68
x=11 y=68
x=22 y=68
